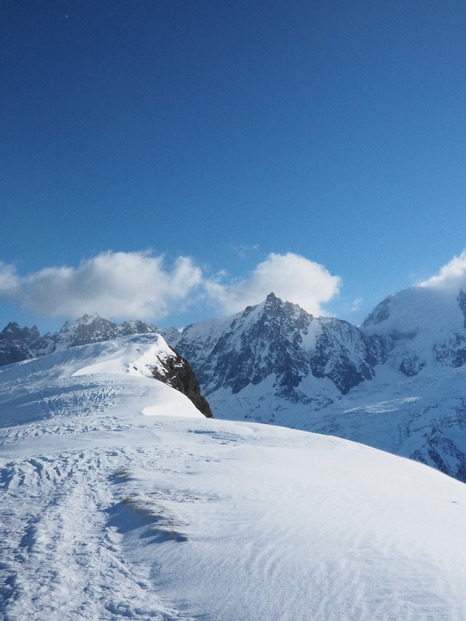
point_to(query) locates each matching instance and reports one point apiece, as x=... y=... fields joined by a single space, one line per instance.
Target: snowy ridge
x=55 y=384
x=111 y=514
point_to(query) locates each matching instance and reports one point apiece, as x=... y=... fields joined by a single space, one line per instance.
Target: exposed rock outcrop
x=179 y=375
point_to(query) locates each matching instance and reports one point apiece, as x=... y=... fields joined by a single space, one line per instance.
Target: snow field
x=317 y=531
x=110 y=514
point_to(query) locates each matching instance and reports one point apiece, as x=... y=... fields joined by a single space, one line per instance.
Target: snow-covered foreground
x=110 y=513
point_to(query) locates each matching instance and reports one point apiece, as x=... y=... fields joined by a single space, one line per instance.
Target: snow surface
x=109 y=514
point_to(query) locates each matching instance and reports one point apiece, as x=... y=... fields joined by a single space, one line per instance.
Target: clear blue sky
x=223 y=132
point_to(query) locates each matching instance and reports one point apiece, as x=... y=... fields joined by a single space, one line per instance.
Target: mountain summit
x=423 y=327
x=280 y=339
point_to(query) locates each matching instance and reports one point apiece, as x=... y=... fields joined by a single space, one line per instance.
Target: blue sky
x=177 y=158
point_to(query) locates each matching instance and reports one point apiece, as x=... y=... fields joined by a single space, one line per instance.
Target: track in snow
x=62 y=556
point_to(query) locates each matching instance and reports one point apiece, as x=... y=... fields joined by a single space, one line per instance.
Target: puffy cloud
x=453 y=274
x=290 y=276
x=137 y=285
x=113 y=284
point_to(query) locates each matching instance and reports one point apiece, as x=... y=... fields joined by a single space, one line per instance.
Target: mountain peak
x=87 y=319
x=278 y=341
x=273 y=305
x=272 y=298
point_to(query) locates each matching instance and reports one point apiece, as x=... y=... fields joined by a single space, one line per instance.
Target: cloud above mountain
x=123 y=285
x=113 y=284
x=453 y=274
x=290 y=276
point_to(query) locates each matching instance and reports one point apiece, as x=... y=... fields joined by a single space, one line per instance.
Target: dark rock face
x=16 y=343
x=443 y=447
x=179 y=375
x=452 y=352
x=411 y=366
x=342 y=355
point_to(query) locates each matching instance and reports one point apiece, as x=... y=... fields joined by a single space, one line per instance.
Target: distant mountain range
x=17 y=344
x=396 y=382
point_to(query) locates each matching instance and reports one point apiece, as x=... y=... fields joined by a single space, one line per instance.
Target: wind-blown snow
x=110 y=514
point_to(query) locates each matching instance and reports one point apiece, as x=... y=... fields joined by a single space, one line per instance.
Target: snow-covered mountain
x=424 y=327
x=281 y=339
x=120 y=500
x=395 y=383
x=18 y=344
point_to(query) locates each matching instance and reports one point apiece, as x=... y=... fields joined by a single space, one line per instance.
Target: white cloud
x=137 y=285
x=290 y=276
x=114 y=284
x=453 y=274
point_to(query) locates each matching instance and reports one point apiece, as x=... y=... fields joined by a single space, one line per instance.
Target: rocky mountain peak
x=277 y=340
x=15 y=342
x=15 y=333
x=86 y=329
x=272 y=303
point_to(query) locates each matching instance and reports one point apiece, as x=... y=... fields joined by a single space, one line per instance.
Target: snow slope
x=108 y=513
